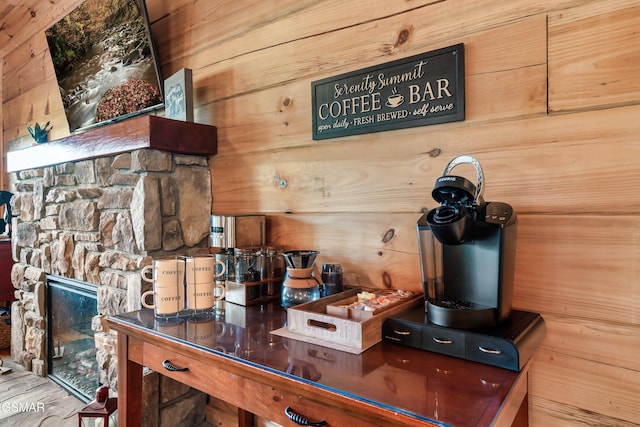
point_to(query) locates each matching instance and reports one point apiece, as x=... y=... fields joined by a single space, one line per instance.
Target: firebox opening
x=71 y=350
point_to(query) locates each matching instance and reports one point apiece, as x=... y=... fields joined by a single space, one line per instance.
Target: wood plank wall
x=552 y=114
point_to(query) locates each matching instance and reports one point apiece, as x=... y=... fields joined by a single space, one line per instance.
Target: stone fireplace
x=97 y=207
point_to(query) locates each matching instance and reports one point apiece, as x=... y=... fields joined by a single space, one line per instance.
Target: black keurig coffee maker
x=467 y=249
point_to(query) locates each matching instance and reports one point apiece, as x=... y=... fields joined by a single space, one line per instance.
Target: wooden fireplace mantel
x=147 y=131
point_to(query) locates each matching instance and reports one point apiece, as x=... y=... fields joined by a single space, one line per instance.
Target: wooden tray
x=335 y=327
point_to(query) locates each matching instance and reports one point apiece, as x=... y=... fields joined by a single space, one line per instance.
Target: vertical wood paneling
x=605 y=342
x=590 y=270
x=560 y=164
x=28 y=18
x=570 y=381
x=27 y=65
x=584 y=70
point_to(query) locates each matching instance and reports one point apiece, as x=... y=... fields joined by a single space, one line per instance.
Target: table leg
x=129 y=386
x=245 y=418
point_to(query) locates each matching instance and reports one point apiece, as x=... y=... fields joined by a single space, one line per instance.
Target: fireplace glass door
x=71 y=350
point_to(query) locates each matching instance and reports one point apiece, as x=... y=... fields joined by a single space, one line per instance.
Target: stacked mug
x=183 y=286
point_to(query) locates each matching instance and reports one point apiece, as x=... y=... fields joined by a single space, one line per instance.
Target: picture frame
x=178 y=95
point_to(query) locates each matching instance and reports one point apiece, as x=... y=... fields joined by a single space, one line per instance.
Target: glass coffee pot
x=300 y=284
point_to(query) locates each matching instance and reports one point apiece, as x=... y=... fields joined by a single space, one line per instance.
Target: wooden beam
x=135 y=133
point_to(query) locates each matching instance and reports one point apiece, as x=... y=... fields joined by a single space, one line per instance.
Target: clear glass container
x=294 y=296
x=227 y=257
x=272 y=263
x=246 y=265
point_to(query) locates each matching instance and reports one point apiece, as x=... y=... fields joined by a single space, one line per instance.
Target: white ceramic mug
x=202 y=269
x=202 y=296
x=202 y=290
x=167 y=277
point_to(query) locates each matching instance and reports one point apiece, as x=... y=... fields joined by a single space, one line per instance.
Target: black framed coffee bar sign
x=419 y=90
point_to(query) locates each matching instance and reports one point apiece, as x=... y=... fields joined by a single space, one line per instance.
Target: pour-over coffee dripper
x=300 y=259
x=300 y=285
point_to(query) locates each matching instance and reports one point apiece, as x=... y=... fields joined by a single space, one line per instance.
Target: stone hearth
x=100 y=217
x=100 y=221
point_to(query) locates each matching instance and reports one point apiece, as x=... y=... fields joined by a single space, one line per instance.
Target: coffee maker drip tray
x=460 y=314
x=508 y=345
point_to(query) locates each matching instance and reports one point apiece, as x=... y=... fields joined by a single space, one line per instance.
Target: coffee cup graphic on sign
x=395 y=100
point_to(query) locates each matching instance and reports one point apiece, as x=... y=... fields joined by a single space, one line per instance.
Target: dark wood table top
x=428 y=386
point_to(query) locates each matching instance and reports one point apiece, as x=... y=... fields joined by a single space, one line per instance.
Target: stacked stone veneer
x=100 y=221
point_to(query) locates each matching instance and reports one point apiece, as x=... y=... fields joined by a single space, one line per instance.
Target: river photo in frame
x=104 y=62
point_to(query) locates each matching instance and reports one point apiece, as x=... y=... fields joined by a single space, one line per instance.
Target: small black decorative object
x=5 y=199
x=40 y=133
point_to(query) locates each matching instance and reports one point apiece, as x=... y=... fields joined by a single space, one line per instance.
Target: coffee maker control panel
x=498 y=213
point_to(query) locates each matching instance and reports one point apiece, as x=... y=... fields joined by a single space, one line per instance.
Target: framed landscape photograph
x=105 y=62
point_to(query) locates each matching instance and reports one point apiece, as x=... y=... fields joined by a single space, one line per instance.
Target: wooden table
x=232 y=356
